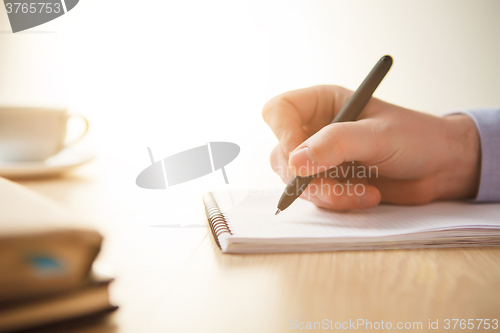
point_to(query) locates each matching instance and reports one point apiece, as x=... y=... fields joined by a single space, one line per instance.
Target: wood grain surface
x=175 y=279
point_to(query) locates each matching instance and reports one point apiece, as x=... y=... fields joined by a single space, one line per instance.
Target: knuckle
x=271 y=105
x=333 y=137
x=266 y=109
x=340 y=88
x=380 y=127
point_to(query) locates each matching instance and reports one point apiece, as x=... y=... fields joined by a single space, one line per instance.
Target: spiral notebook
x=250 y=226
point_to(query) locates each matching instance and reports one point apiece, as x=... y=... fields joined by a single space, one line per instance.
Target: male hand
x=408 y=157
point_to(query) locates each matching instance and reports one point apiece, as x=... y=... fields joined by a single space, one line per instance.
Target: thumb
x=337 y=143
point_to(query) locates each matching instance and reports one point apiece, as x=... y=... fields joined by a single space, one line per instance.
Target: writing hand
x=414 y=157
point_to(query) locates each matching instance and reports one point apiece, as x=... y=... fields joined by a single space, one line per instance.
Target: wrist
x=459 y=178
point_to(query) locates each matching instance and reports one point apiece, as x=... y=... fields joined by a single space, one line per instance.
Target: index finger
x=296 y=115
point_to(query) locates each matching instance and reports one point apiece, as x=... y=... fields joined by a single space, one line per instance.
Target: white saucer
x=65 y=161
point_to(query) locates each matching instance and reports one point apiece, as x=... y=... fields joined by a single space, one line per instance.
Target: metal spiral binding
x=215 y=217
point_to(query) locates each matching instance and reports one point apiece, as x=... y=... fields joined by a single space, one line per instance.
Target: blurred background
x=172 y=75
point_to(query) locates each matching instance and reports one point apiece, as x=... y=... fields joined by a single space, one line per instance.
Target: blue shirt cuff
x=488 y=125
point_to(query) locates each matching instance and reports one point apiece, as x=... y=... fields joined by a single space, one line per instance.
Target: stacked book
x=45 y=263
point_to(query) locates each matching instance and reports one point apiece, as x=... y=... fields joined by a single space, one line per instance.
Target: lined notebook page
x=254 y=218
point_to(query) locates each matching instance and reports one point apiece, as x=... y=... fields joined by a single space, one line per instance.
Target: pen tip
x=277 y=212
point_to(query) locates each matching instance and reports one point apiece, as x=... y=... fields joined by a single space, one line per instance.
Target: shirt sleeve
x=488 y=125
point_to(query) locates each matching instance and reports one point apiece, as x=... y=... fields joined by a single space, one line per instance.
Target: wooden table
x=174 y=279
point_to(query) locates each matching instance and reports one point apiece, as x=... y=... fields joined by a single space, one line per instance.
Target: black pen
x=349 y=112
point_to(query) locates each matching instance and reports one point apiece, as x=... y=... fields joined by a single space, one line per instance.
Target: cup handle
x=67 y=144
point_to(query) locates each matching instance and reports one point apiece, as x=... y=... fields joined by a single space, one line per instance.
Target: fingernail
x=324 y=194
x=367 y=200
x=303 y=160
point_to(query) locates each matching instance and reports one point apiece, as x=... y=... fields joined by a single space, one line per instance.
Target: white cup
x=34 y=134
